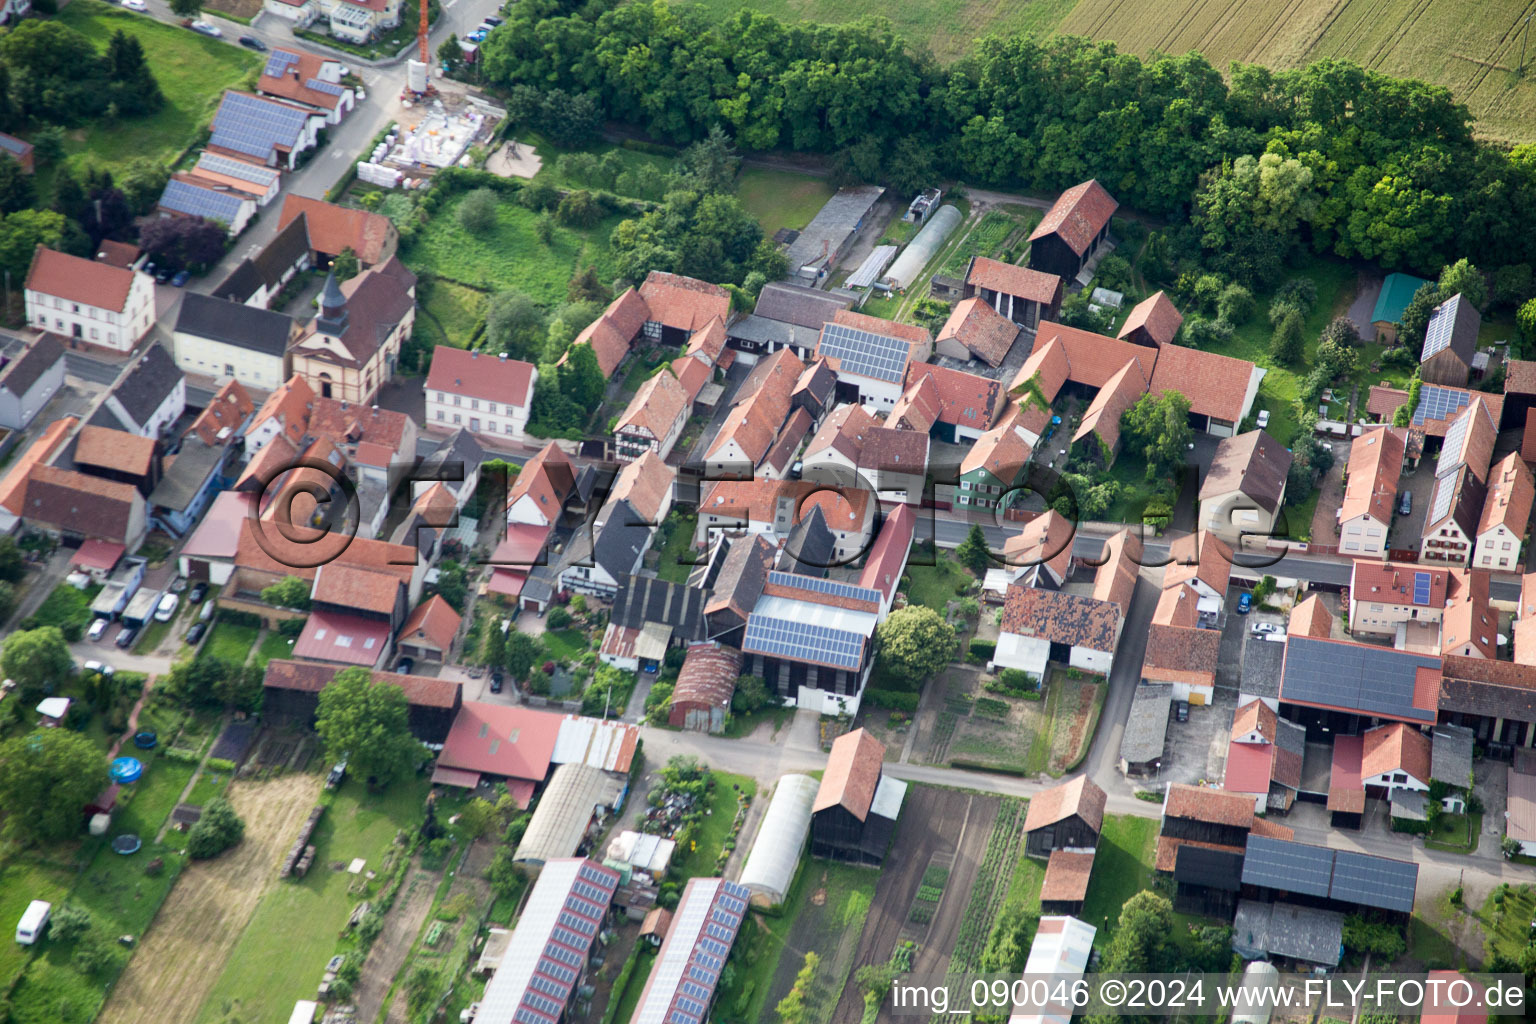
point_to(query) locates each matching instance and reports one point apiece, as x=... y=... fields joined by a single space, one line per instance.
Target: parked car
x=338 y=772
x=126 y=636
x=1245 y=603
x=97 y=631
x=496 y=680
x=136 y=5
x=196 y=632
x=181 y=279
x=165 y=611
x=1405 y=504
x=405 y=664
x=477 y=36
x=163 y=275
x=204 y=28
x=1181 y=710
x=1260 y=628
x=493 y=21
x=1263 y=420
x=252 y=43
x=207 y=612
x=101 y=668
x=199 y=591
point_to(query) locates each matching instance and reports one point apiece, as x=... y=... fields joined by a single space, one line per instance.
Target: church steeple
x=333 y=307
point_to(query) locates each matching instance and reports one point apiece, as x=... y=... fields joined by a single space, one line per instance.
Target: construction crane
x=421 y=33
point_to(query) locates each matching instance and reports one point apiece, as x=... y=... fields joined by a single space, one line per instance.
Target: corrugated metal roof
x=609 y=746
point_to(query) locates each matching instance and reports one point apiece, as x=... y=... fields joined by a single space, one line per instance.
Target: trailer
x=30 y=928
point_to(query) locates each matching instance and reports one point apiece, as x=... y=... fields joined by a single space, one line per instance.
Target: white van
x=32 y=923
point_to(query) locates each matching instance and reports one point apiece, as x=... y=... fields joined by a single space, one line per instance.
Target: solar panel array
x=1441 y=327
x=866 y=353
x=1455 y=442
x=1444 y=496
x=803 y=641
x=1369 y=680
x=200 y=202
x=1374 y=881
x=1421 y=585
x=329 y=88
x=817 y=585
x=1294 y=867
x=263 y=176
x=704 y=927
x=251 y=125
x=1439 y=403
x=278 y=61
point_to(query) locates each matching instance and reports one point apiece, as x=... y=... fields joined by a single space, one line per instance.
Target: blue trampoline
x=126 y=844
x=145 y=740
x=126 y=769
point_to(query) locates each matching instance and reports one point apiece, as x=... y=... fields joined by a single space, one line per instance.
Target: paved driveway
x=1369 y=289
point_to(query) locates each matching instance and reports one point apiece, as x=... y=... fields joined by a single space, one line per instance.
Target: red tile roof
x=1255 y=716
x=1181 y=654
x=692 y=373
x=761 y=407
x=1202 y=556
x=1118 y=394
x=887 y=557
x=1469 y=620
x=1250 y=766
x=708 y=341
x=456 y=371
x=422 y=691
x=1477 y=441
x=1158 y=316
x=997 y=276
x=1395 y=748
x=1511 y=491
x=911 y=333
x=1177 y=606
x=965 y=399
x=87 y=505
x=1383 y=402
x=611 y=334
x=298 y=551
x=1389 y=583
x=1092 y=359
x=1045 y=540
x=1215 y=385
x=981 y=329
x=1079 y=796
x=1528 y=438
x=918 y=407
x=685 y=303
x=1202 y=803
x=77 y=279
x=293 y=85
x=1001 y=451
x=352 y=586
x=1047 y=366
x=1520 y=377
x=645 y=483
x=548 y=478
x=333 y=228
x=1116 y=578
x=1346 y=791
x=434 y=621
x=1066 y=876
x=229 y=408
x=105 y=448
x=1061 y=618
x=1375 y=463
x=13 y=487
x=852 y=774
x=656 y=407
x=1311 y=618
x=1078 y=216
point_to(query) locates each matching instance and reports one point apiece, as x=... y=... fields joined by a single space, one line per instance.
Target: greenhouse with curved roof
x=923 y=248
x=770 y=867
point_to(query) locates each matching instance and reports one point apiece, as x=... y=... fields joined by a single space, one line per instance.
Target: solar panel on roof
x=820 y=586
x=1373 y=881
x=1445 y=492
x=1456 y=438
x=1438 y=403
x=866 y=353
x=237 y=168
x=803 y=641
x=278 y=62
x=1293 y=867
x=1437 y=333
x=1375 y=680
x=329 y=88
x=200 y=202
x=1421 y=582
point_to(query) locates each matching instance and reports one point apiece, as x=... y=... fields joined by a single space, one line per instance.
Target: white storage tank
x=416 y=76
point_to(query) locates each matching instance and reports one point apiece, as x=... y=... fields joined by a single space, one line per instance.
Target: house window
x=457 y=419
x=457 y=400
x=1399 y=777
x=474 y=403
x=441 y=415
x=229 y=369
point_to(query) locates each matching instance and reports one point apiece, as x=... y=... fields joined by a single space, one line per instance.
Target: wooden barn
x=855 y=812
x=291 y=694
x=1065 y=817
x=1072 y=230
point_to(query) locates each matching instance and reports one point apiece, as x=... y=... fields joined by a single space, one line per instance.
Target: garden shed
x=770 y=866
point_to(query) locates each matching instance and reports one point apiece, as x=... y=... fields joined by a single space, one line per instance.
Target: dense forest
x=1257 y=164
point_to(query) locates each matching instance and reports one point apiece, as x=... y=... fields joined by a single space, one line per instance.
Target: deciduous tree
x=38 y=660
x=46 y=777
x=914 y=643
x=368 y=723
x=1159 y=428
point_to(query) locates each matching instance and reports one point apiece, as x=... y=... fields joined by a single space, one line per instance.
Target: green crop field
x=1473 y=52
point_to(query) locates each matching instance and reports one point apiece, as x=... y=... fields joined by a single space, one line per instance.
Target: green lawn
x=153 y=798
x=1507 y=931
x=1430 y=944
x=565 y=644
x=193 y=72
x=988 y=238
x=1122 y=868
x=209 y=785
x=935 y=585
x=151 y=635
x=635 y=174
x=781 y=199
x=1451 y=833
x=716 y=826
x=122 y=900
x=229 y=642
x=21 y=882
x=635 y=986
x=742 y=725
x=65 y=607
x=273 y=645
x=282 y=952
x=450 y=311
x=510 y=256
x=677 y=558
